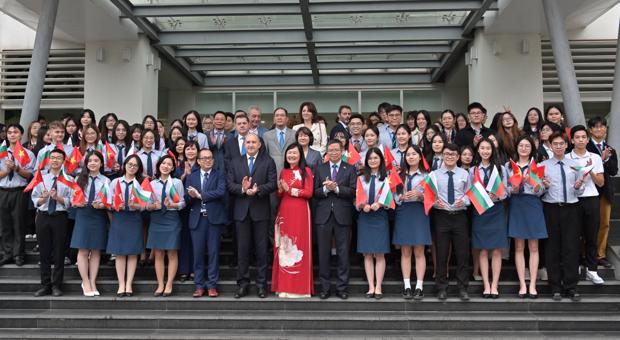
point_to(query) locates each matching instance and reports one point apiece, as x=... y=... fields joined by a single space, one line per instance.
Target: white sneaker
x=593 y=276
x=542 y=274
x=28 y=237
x=34 y=236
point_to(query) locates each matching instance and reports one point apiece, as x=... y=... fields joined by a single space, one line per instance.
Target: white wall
x=128 y=89
x=14 y=35
x=509 y=78
x=455 y=92
x=604 y=27
x=178 y=90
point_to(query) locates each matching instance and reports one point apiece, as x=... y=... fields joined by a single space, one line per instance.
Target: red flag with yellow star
x=20 y=154
x=110 y=154
x=74 y=161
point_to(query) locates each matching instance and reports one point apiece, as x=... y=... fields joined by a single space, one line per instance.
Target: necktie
x=599 y=146
x=410 y=181
x=149 y=164
x=435 y=163
x=371 y=190
x=163 y=196
x=126 y=200
x=356 y=145
x=242 y=146
x=522 y=187
x=12 y=173
x=450 y=187
x=334 y=172
x=485 y=179
x=219 y=139
x=251 y=165
x=51 y=204
x=403 y=163
x=281 y=140
x=564 y=193
x=91 y=192
x=192 y=137
x=119 y=157
x=205 y=182
x=393 y=140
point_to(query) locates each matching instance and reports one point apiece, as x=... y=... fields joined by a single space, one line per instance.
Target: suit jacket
x=218 y=151
x=342 y=202
x=232 y=151
x=213 y=198
x=272 y=145
x=264 y=174
x=339 y=128
x=611 y=169
x=313 y=159
x=466 y=136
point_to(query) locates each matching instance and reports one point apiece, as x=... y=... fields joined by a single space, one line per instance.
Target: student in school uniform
x=589 y=199
x=434 y=159
x=403 y=140
x=126 y=236
x=412 y=230
x=57 y=130
x=194 y=129
x=450 y=220
x=90 y=233
x=489 y=230
x=148 y=155
x=121 y=142
x=373 y=235
x=562 y=210
x=165 y=228
x=52 y=198
x=526 y=221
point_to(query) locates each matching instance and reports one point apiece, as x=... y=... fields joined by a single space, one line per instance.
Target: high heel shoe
x=87 y=294
x=167 y=294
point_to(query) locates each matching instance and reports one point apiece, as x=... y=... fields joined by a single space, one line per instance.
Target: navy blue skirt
x=490 y=230
x=526 y=219
x=373 y=232
x=412 y=226
x=164 y=230
x=90 y=230
x=126 y=236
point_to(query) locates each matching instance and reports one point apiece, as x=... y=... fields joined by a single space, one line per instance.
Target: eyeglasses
x=558 y=144
x=57 y=158
x=450 y=154
x=206 y=158
x=475 y=113
x=132 y=165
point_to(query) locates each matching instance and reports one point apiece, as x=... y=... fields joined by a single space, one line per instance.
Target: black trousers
x=248 y=232
x=13 y=205
x=51 y=234
x=342 y=234
x=562 y=252
x=590 y=220
x=452 y=227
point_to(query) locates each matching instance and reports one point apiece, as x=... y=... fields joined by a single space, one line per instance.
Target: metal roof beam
x=306 y=17
x=320 y=65
x=340 y=79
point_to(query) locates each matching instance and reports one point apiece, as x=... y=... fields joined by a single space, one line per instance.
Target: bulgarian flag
x=495 y=185
x=142 y=193
x=360 y=194
x=536 y=173
x=351 y=156
x=38 y=178
x=74 y=161
x=3 y=150
x=132 y=150
x=20 y=154
x=110 y=155
x=45 y=160
x=174 y=194
x=118 y=197
x=78 y=193
x=389 y=159
x=517 y=175
x=103 y=195
x=385 y=196
x=479 y=197
x=430 y=192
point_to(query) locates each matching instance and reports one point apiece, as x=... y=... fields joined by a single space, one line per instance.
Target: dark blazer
x=313 y=159
x=257 y=207
x=339 y=128
x=232 y=151
x=611 y=169
x=342 y=202
x=218 y=152
x=466 y=136
x=213 y=198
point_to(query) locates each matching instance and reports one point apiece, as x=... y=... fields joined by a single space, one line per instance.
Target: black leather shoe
x=261 y=292
x=43 y=292
x=442 y=295
x=574 y=296
x=603 y=262
x=418 y=294
x=56 y=292
x=407 y=294
x=241 y=292
x=463 y=295
x=324 y=295
x=19 y=261
x=557 y=296
x=342 y=295
x=6 y=260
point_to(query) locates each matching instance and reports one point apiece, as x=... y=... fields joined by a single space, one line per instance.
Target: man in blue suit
x=205 y=190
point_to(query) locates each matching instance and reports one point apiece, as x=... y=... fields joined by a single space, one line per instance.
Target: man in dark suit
x=251 y=179
x=475 y=131
x=217 y=138
x=598 y=145
x=235 y=145
x=204 y=190
x=334 y=191
x=344 y=114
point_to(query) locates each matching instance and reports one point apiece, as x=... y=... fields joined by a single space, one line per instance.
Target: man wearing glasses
x=387 y=133
x=475 y=131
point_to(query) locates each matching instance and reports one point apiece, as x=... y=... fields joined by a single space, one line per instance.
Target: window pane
x=370 y=100
x=211 y=102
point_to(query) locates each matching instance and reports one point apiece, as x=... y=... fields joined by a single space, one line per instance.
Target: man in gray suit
x=276 y=141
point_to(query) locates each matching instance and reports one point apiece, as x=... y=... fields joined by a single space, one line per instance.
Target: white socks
x=418 y=284
x=407 y=283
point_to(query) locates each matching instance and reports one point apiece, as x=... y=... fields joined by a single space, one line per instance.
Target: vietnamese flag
x=78 y=196
x=430 y=192
x=395 y=180
x=517 y=176
x=38 y=178
x=425 y=164
x=351 y=156
x=74 y=161
x=389 y=159
x=174 y=158
x=174 y=195
x=360 y=194
x=118 y=197
x=110 y=155
x=20 y=154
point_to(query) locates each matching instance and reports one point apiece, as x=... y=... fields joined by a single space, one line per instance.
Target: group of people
x=387 y=182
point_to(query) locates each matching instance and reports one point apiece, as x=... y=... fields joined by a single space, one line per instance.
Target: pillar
x=613 y=134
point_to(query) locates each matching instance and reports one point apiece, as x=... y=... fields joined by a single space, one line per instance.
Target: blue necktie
x=91 y=193
x=564 y=193
x=219 y=139
x=485 y=179
x=403 y=163
x=163 y=196
x=127 y=195
x=334 y=172
x=149 y=164
x=281 y=140
x=371 y=190
x=251 y=165
x=51 y=205
x=242 y=146
x=205 y=182
x=450 y=187
x=192 y=137
x=12 y=173
x=410 y=181
x=435 y=163
x=119 y=157
x=393 y=140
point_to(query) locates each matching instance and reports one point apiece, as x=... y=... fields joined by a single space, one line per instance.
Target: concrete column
x=564 y=63
x=38 y=64
x=613 y=134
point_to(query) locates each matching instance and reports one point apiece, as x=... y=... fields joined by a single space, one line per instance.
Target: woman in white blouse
x=308 y=116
